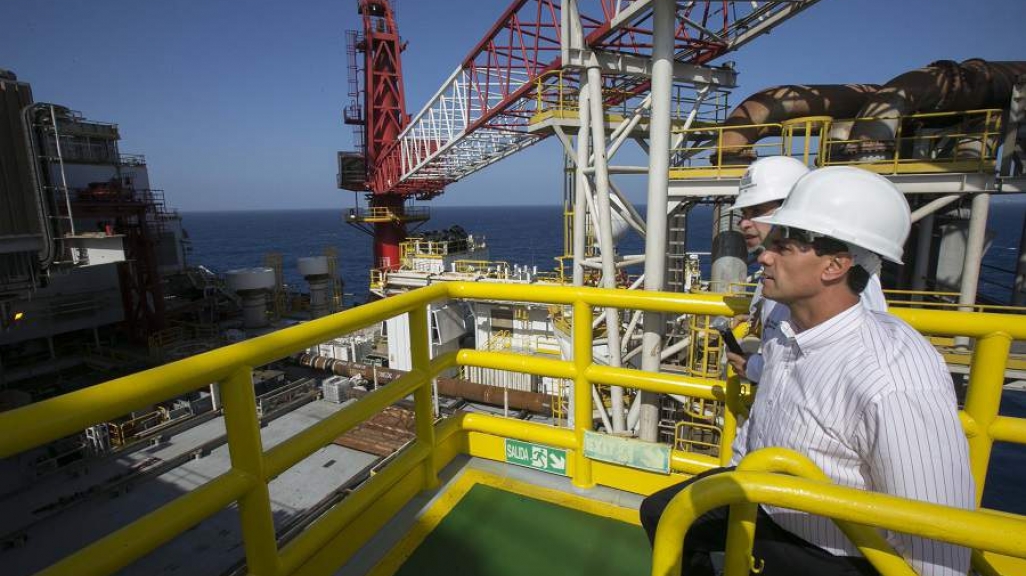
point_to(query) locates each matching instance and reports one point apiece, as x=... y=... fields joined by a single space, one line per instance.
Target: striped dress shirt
x=871 y=402
x=770 y=313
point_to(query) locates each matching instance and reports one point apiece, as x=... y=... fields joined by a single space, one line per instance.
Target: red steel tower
x=379 y=112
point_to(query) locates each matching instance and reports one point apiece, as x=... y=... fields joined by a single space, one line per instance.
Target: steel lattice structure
x=480 y=114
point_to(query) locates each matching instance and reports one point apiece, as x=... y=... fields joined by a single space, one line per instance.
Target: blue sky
x=238 y=105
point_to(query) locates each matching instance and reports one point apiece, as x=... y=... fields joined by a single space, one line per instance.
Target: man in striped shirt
x=859 y=392
x=763 y=188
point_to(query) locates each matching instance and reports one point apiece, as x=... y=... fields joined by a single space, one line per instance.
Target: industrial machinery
x=86 y=243
x=611 y=371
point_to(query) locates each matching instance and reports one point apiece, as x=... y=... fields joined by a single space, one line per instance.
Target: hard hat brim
x=785 y=217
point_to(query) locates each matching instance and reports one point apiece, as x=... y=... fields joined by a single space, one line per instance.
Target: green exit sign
x=544 y=458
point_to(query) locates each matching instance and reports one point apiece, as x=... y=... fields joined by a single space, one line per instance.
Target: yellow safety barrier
x=959 y=141
x=968 y=143
x=981 y=530
x=722 y=160
x=330 y=540
x=388 y=214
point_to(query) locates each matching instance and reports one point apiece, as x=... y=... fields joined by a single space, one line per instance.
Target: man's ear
x=837 y=266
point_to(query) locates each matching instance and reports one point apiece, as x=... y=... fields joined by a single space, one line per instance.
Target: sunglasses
x=751 y=212
x=821 y=242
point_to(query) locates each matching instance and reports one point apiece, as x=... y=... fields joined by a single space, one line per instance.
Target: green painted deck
x=491 y=532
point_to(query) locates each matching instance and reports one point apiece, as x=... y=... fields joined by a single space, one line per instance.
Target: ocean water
x=533 y=236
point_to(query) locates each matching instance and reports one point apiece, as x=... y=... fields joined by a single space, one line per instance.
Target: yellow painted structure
x=969 y=143
x=333 y=538
x=377 y=214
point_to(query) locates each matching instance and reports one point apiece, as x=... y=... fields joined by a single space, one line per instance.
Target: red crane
x=380 y=119
x=482 y=112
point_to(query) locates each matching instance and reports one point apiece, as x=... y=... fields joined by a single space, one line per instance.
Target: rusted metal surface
x=942 y=86
x=536 y=402
x=383 y=434
x=772 y=106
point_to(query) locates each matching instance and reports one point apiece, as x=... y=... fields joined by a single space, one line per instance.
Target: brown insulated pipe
x=774 y=105
x=943 y=86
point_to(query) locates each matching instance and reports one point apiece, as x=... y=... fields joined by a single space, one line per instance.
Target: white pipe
x=973 y=257
x=605 y=234
x=671 y=350
x=622 y=131
x=933 y=206
x=974 y=249
x=663 y=23
x=215 y=396
x=434 y=396
x=590 y=202
x=590 y=263
x=666 y=353
x=636 y=219
x=64 y=178
x=581 y=192
x=633 y=415
x=630 y=329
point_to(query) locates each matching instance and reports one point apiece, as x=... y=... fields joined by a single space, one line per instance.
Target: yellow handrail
x=741 y=527
x=979 y=530
x=968 y=143
x=253 y=467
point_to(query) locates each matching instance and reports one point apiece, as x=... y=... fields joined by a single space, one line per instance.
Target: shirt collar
x=828 y=332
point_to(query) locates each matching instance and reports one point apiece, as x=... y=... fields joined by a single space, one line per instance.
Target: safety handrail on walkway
x=741 y=525
x=253 y=467
x=971 y=146
x=979 y=530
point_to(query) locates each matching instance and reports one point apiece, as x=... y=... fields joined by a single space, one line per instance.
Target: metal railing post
x=740 y=540
x=247 y=456
x=423 y=406
x=732 y=406
x=986 y=380
x=582 y=335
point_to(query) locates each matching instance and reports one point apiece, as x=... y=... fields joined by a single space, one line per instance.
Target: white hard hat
x=768 y=179
x=848 y=204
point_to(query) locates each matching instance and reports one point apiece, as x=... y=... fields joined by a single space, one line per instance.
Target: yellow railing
x=709 y=155
x=496 y=267
x=387 y=214
x=557 y=95
x=377 y=277
x=554 y=95
x=420 y=248
x=969 y=141
x=786 y=479
x=964 y=141
x=917 y=299
x=331 y=540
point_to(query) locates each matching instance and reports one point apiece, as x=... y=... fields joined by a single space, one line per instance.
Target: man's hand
x=738 y=320
x=738 y=362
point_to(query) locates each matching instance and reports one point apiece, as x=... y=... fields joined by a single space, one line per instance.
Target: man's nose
x=765 y=257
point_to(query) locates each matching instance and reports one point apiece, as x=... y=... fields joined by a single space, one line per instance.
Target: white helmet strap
x=869 y=261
